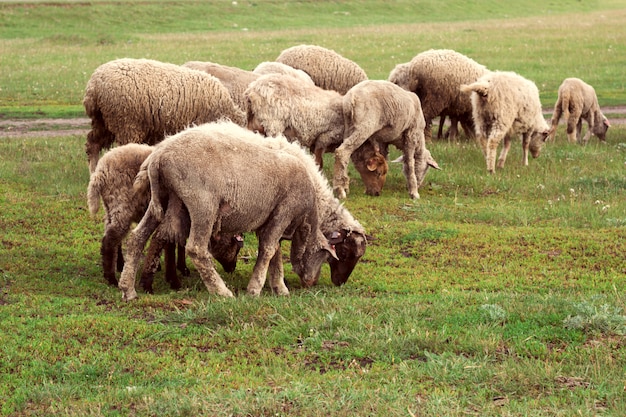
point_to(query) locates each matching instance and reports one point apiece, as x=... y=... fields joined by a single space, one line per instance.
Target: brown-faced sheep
x=310 y=115
x=343 y=231
x=249 y=187
x=578 y=101
x=112 y=181
x=505 y=104
x=141 y=101
x=383 y=112
x=235 y=79
x=328 y=69
x=435 y=76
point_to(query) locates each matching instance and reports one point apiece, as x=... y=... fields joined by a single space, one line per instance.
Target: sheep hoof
x=340 y=193
x=129 y=295
x=280 y=290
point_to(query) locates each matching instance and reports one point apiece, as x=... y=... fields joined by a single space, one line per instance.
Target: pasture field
x=492 y=295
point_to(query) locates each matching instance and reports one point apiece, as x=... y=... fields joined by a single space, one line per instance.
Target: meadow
x=492 y=295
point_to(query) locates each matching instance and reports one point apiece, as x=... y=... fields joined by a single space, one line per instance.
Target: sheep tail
x=478 y=87
x=149 y=176
x=93 y=193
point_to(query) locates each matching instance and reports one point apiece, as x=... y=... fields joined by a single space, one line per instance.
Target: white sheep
x=327 y=68
x=435 y=76
x=249 y=187
x=313 y=117
x=141 y=101
x=505 y=104
x=383 y=112
x=112 y=181
x=578 y=101
x=308 y=114
x=272 y=67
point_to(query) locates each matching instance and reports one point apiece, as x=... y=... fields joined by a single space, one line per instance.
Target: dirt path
x=12 y=128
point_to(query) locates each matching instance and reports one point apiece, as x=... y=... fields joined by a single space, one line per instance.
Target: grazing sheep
x=328 y=69
x=383 y=112
x=504 y=104
x=578 y=101
x=269 y=67
x=112 y=181
x=235 y=79
x=310 y=115
x=141 y=100
x=435 y=76
x=249 y=187
x=343 y=231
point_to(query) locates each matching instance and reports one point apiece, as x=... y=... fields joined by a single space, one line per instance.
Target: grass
x=491 y=295
x=50 y=51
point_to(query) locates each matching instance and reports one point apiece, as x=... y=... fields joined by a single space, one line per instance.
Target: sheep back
x=304 y=113
x=327 y=68
x=235 y=79
x=141 y=101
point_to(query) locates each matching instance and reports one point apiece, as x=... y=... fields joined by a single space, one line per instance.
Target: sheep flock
x=204 y=152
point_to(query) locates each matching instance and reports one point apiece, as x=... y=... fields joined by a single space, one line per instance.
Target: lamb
x=579 y=102
x=383 y=112
x=269 y=67
x=504 y=104
x=310 y=115
x=250 y=187
x=236 y=80
x=141 y=100
x=435 y=76
x=328 y=69
x=112 y=181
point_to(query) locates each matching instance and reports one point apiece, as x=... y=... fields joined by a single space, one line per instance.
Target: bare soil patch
x=11 y=128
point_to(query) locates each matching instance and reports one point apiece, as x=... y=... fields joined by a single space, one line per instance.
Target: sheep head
x=372 y=166
x=349 y=247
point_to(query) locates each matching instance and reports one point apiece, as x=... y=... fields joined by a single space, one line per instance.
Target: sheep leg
x=181 y=265
x=277 y=274
x=134 y=247
x=491 y=150
x=109 y=250
x=572 y=120
x=525 y=146
x=151 y=263
x=119 y=261
x=341 y=181
x=170 y=266
x=505 y=151
x=409 y=165
x=198 y=250
x=442 y=120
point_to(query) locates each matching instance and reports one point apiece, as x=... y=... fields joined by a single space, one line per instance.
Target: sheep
x=235 y=79
x=343 y=231
x=328 y=69
x=249 y=187
x=381 y=111
x=304 y=113
x=310 y=115
x=112 y=181
x=435 y=76
x=504 y=104
x=270 y=67
x=578 y=101
x=141 y=100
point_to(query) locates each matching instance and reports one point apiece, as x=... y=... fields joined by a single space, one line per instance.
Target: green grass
x=50 y=50
x=491 y=295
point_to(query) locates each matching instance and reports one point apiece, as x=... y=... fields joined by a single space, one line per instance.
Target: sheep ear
x=331 y=250
x=606 y=122
x=372 y=164
x=432 y=163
